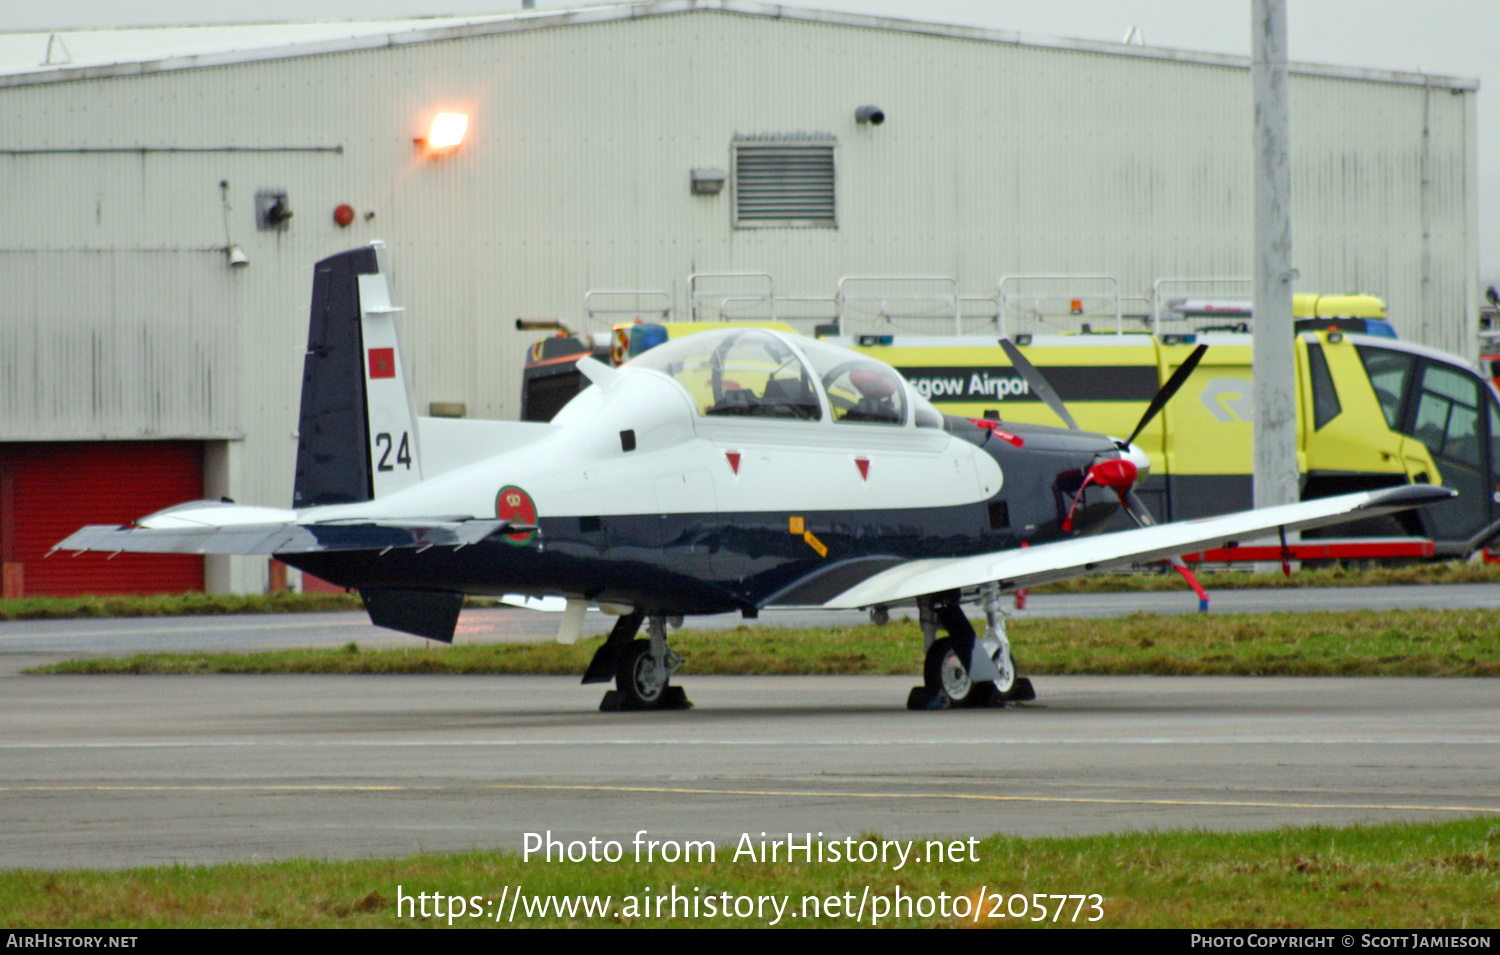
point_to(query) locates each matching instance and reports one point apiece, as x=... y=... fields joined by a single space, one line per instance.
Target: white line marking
x=780 y=793
x=766 y=742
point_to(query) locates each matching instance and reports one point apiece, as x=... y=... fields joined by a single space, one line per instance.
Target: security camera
x=873 y=115
x=272 y=209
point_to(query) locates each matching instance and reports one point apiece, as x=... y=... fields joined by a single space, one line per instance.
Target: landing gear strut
x=962 y=670
x=642 y=669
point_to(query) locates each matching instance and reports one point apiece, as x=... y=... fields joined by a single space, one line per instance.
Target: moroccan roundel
x=514 y=504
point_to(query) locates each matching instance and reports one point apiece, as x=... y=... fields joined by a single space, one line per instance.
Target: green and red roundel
x=514 y=504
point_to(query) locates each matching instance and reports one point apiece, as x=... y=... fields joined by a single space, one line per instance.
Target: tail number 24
x=403 y=452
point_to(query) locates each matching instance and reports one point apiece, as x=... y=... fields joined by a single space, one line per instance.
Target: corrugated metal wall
x=117 y=344
x=996 y=158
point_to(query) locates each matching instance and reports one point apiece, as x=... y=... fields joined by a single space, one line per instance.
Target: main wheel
x=945 y=672
x=639 y=678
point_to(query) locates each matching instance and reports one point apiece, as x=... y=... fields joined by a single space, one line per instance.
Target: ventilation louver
x=784 y=183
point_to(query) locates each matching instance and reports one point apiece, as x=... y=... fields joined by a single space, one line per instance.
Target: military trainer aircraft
x=731 y=469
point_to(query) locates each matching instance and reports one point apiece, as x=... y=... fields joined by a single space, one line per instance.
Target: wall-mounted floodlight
x=707 y=182
x=873 y=115
x=446 y=134
x=237 y=257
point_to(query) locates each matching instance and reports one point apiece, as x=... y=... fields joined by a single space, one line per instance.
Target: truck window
x=1448 y=414
x=1326 y=405
x=1390 y=373
x=1494 y=441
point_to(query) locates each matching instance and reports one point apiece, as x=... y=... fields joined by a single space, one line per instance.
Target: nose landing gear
x=960 y=669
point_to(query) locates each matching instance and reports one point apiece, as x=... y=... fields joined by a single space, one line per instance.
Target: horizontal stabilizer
x=1043 y=563
x=282 y=538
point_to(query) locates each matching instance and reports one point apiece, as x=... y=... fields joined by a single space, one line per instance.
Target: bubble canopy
x=757 y=373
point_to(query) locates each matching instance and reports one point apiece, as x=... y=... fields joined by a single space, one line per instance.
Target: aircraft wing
x=213 y=527
x=1044 y=563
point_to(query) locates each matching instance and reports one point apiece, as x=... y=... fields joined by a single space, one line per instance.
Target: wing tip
x=1408 y=495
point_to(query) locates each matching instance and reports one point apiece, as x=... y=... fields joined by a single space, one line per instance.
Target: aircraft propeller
x=1038 y=383
x=1134 y=506
x=1121 y=480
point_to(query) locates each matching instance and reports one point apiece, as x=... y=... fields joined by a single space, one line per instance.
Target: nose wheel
x=945 y=674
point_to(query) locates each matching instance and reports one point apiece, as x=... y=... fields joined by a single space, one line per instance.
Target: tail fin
x=357 y=438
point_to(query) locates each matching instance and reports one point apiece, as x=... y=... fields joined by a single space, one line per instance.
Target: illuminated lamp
x=446 y=133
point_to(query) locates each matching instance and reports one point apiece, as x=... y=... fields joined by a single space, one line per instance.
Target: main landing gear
x=962 y=670
x=642 y=669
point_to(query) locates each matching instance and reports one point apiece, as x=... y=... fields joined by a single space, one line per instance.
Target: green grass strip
x=172 y=605
x=1444 y=875
x=1349 y=643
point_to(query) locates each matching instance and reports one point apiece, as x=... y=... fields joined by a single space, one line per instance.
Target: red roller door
x=52 y=489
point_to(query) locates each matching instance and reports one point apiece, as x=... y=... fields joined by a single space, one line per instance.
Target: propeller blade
x=1179 y=377
x=1136 y=508
x=1038 y=384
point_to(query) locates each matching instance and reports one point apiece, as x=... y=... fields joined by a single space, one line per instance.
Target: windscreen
x=738 y=373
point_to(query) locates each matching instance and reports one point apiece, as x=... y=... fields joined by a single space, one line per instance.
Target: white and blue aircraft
x=727 y=470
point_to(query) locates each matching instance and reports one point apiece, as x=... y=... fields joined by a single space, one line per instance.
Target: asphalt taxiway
x=121 y=771
x=118 y=771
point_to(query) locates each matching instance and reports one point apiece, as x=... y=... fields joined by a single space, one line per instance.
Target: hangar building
x=141 y=365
